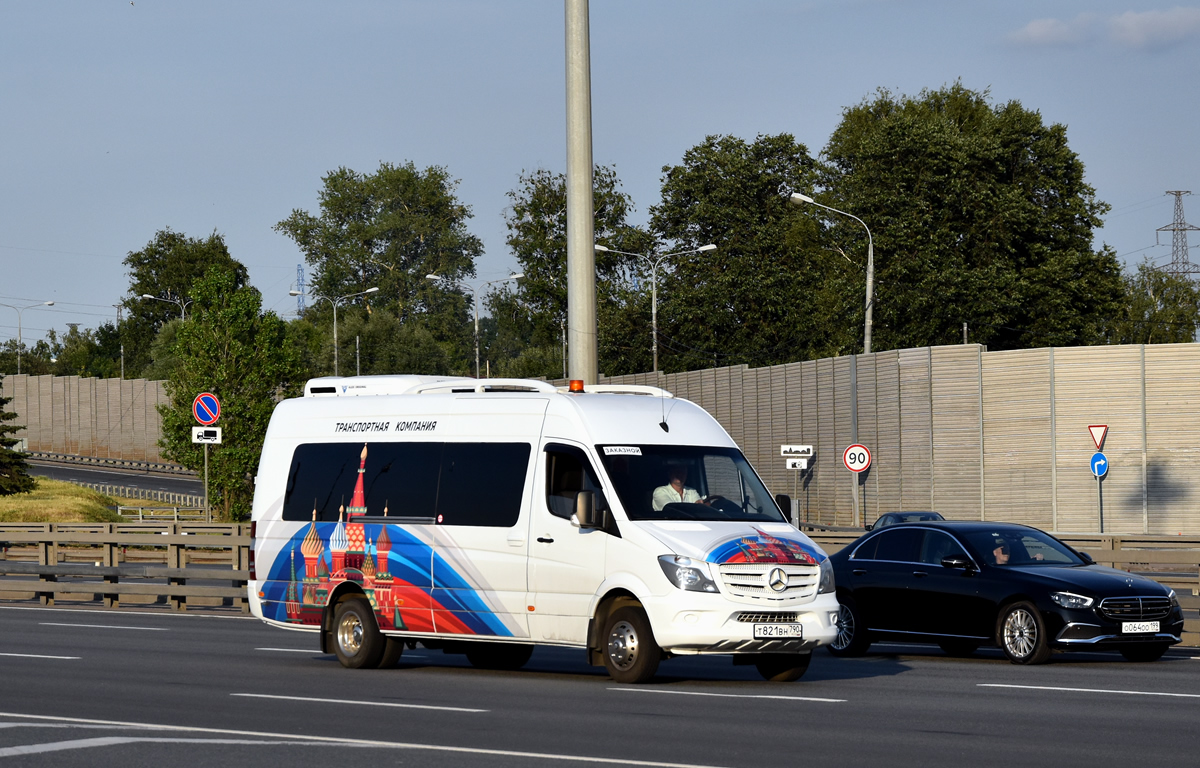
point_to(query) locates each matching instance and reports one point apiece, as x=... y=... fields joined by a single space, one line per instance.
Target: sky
x=119 y=118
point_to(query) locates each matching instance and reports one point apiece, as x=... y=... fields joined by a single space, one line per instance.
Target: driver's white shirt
x=666 y=494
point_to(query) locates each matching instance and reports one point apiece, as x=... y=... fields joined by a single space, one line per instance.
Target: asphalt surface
x=112 y=476
x=139 y=688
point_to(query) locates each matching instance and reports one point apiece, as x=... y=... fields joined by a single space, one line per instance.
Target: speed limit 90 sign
x=856 y=458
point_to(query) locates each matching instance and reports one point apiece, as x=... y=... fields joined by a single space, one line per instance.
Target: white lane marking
x=361 y=742
x=124 y=612
x=1090 y=690
x=109 y=741
x=293 y=650
x=38 y=656
x=99 y=626
x=729 y=695
x=358 y=703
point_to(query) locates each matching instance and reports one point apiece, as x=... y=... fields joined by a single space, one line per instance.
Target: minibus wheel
x=356 y=640
x=630 y=652
x=393 y=648
x=783 y=667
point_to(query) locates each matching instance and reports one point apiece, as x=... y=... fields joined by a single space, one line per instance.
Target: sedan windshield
x=1021 y=546
x=671 y=482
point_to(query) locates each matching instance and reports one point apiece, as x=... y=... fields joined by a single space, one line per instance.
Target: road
x=136 y=688
x=112 y=476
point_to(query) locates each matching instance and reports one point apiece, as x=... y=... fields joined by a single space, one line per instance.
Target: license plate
x=1133 y=627
x=763 y=631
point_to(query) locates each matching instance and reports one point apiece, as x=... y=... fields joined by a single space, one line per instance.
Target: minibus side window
x=568 y=472
x=399 y=476
x=482 y=483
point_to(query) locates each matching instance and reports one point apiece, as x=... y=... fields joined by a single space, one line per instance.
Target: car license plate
x=1133 y=627
x=765 y=631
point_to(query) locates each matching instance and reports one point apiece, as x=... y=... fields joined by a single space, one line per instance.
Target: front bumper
x=691 y=623
x=1087 y=628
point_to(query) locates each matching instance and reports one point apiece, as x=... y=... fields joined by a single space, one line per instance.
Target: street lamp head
x=433 y=277
x=797 y=199
x=372 y=290
x=148 y=296
x=295 y=293
x=709 y=247
x=48 y=303
x=516 y=276
x=601 y=248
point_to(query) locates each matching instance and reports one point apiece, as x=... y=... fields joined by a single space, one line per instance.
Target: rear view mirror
x=585 y=509
x=955 y=561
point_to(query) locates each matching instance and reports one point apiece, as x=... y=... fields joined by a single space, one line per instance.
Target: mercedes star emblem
x=777 y=579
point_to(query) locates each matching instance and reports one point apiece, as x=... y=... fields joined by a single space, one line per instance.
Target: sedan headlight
x=827 y=584
x=1174 y=599
x=1071 y=600
x=687 y=574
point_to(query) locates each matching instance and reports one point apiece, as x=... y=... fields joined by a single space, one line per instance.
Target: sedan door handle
x=859 y=572
x=920 y=574
x=545 y=540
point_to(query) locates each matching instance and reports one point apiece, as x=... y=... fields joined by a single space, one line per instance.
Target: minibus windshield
x=673 y=482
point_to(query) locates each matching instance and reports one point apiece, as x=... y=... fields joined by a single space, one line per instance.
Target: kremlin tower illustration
x=765 y=548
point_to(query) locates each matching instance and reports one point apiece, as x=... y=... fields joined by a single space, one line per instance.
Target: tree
x=14 y=472
x=753 y=299
x=230 y=347
x=980 y=214
x=390 y=229
x=1161 y=308
x=530 y=316
x=166 y=268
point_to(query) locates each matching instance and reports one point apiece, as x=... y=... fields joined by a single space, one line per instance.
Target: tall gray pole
x=870 y=290
x=476 y=293
x=654 y=314
x=335 y=354
x=581 y=258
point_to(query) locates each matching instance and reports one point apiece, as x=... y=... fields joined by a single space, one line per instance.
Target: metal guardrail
x=102 y=561
x=147 y=494
x=97 y=461
x=163 y=514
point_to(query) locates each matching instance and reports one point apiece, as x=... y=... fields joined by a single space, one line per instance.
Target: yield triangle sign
x=1098 y=432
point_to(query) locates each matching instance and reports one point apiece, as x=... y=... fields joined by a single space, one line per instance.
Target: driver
x=675 y=490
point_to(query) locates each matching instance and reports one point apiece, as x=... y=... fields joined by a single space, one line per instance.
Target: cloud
x=1055 y=32
x=1132 y=29
x=1155 y=28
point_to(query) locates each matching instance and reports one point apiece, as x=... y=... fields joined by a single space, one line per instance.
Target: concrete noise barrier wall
x=106 y=418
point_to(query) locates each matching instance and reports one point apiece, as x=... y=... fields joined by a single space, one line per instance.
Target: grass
x=56 y=501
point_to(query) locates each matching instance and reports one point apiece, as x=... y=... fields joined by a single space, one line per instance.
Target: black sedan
x=963 y=584
x=892 y=518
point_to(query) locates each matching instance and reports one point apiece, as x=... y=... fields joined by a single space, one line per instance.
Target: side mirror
x=955 y=561
x=585 y=510
x=1087 y=558
x=784 y=502
x=869 y=526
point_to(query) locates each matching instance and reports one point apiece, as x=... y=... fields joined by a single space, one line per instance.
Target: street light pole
x=799 y=199
x=655 y=263
x=334 y=303
x=19 y=310
x=183 y=305
x=475 y=294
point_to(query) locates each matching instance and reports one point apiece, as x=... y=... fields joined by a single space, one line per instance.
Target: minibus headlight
x=827 y=585
x=686 y=573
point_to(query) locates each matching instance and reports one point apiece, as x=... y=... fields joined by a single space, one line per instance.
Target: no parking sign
x=206 y=408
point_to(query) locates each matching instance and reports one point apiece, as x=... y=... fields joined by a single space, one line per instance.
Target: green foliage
x=530 y=316
x=979 y=213
x=166 y=267
x=14 y=472
x=1160 y=308
x=389 y=230
x=753 y=299
x=230 y=347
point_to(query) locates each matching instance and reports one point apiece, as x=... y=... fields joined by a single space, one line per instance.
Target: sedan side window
x=938 y=545
x=900 y=544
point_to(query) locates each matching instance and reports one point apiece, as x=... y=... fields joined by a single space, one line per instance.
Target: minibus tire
x=783 y=667
x=393 y=648
x=357 y=641
x=631 y=655
x=503 y=656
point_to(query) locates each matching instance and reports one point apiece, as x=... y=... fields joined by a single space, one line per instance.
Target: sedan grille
x=1135 y=608
x=752 y=580
x=766 y=618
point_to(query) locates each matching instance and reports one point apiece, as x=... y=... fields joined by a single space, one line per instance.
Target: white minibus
x=487 y=516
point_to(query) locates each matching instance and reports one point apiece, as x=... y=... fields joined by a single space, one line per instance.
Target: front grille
x=766 y=618
x=750 y=580
x=1135 y=608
